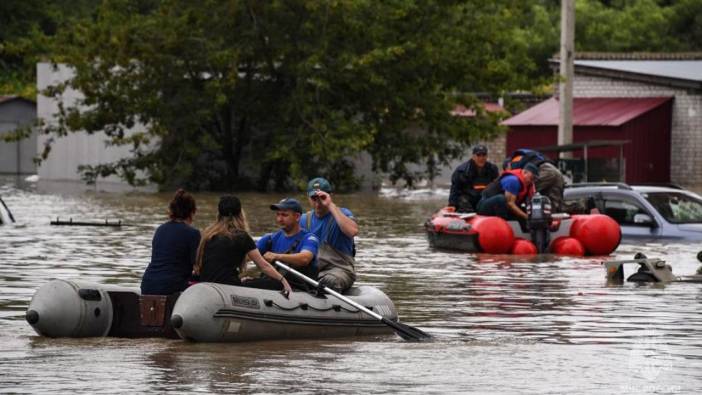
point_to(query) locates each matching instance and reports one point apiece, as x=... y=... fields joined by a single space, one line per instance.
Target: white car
x=642 y=211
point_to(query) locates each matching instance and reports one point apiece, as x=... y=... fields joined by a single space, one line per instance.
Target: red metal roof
x=594 y=111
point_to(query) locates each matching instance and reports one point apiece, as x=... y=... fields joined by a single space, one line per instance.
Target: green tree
x=25 y=29
x=641 y=25
x=290 y=88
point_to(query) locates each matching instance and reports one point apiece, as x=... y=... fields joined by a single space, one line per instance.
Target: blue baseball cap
x=318 y=183
x=288 y=204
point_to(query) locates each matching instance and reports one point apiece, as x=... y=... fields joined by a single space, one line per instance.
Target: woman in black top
x=173 y=249
x=226 y=244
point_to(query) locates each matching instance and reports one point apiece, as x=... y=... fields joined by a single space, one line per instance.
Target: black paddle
x=8 y=210
x=404 y=331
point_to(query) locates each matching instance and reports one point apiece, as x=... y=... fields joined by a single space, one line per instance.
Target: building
x=674 y=81
x=75 y=149
x=17 y=157
x=643 y=125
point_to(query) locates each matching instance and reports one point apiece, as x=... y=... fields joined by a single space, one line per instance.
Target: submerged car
x=644 y=211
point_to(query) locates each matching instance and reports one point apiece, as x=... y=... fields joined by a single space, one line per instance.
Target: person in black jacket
x=470 y=179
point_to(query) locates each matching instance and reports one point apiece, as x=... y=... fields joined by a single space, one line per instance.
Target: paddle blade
x=407 y=332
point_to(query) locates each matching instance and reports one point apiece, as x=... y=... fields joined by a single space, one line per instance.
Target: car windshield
x=676 y=207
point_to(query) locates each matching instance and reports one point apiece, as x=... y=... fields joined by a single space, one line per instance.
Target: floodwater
x=500 y=324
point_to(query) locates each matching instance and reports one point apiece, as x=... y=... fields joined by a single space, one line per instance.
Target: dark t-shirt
x=173 y=251
x=223 y=256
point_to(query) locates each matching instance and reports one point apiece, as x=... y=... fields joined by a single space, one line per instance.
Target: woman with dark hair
x=226 y=244
x=173 y=249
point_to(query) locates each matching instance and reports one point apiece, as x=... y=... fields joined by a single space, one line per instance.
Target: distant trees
x=294 y=88
x=291 y=88
x=26 y=27
x=642 y=25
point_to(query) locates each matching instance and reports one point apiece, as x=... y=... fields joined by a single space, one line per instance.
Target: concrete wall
x=17 y=157
x=686 y=133
x=76 y=149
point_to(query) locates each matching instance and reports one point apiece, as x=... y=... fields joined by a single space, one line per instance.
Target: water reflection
x=502 y=323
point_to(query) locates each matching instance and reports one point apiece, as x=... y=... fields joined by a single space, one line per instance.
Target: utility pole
x=565 y=88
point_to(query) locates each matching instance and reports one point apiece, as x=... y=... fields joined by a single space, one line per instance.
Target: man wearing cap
x=335 y=227
x=470 y=179
x=550 y=182
x=291 y=244
x=503 y=196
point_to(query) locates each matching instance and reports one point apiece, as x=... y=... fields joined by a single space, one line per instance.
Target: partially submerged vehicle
x=645 y=211
x=650 y=270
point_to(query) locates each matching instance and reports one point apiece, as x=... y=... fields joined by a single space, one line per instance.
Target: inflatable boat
x=562 y=234
x=209 y=312
x=204 y=312
x=66 y=308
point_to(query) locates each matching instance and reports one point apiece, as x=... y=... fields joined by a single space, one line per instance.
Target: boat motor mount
x=539 y=221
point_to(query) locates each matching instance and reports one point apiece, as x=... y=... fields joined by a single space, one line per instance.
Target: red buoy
x=567 y=246
x=598 y=233
x=523 y=247
x=495 y=236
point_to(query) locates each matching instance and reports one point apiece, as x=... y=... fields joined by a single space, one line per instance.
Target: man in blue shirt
x=503 y=196
x=291 y=245
x=335 y=227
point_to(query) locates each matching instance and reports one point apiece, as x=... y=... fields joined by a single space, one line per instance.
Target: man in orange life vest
x=503 y=196
x=470 y=179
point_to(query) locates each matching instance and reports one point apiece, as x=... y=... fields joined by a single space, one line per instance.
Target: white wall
x=76 y=149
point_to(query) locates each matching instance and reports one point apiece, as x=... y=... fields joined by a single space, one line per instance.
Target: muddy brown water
x=501 y=324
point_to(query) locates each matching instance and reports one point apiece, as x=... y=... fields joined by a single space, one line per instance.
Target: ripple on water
x=501 y=323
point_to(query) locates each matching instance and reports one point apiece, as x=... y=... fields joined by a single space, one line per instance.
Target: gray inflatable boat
x=205 y=312
x=68 y=308
x=209 y=312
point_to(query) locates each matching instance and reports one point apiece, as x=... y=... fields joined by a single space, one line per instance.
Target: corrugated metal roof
x=595 y=111
x=690 y=70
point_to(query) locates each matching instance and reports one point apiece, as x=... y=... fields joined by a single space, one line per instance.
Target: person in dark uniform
x=470 y=179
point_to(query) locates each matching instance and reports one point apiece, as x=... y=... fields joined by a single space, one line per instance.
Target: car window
x=623 y=210
x=676 y=207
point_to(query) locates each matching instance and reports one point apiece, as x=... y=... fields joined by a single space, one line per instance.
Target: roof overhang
x=589 y=111
x=585 y=66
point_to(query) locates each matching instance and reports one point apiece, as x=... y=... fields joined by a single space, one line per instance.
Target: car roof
x=625 y=187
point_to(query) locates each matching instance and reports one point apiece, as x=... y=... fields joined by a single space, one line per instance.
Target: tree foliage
x=25 y=30
x=240 y=93
x=641 y=25
x=290 y=88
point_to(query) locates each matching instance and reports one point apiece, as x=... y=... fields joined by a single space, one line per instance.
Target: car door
x=623 y=209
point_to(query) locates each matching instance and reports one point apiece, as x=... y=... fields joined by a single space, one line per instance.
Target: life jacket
x=495 y=188
x=522 y=156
